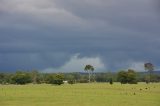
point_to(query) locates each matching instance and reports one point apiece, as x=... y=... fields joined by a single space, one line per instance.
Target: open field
x=94 y=94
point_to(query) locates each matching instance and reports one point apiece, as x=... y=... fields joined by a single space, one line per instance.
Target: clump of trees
x=21 y=78
x=55 y=79
x=127 y=77
x=58 y=79
x=4 y=78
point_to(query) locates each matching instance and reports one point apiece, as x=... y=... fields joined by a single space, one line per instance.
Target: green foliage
x=122 y=77
x=69 y=77
x=77 y=76
x=50 y=79
x=149 y=67
x=127 y=77
x=111 y=81
x=152 y=78
x=101 y=77
x=131 y=77
x=55 y=79
x=83 y=81
x=21 y=78
x=58 y=79
x=5 y=78
x=155 y=78
x=2 y=78
x=89 y=68
x=35 y=77
x=71 y=81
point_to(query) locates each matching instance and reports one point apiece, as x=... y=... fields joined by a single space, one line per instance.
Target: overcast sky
x=65 y=35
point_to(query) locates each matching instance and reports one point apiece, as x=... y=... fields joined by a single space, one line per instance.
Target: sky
x=66 y=35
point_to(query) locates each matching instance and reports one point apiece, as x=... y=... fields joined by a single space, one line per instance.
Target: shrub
x=83 y=81
x=71 y=82
x=122 y=77
x=111 y=81
x=127 y=77
x=133 y=82
x=21 y=78
x=58 y=79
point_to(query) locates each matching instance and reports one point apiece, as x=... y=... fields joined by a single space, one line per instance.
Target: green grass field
x=94 y=94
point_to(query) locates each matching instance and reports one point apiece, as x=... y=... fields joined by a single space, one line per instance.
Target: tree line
x=130 y=76
x=124 y=76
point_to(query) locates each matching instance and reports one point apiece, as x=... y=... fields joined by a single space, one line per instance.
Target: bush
x=111 y=81
x=71 y=81
x=55 y=79
x=127 y=77
x=122 y=77
x=83 y=81
x=58 y=79
x=21 y=78
x=2 y=78
x=133 y=82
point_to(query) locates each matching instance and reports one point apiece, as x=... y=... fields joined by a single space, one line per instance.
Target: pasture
x=93 y=94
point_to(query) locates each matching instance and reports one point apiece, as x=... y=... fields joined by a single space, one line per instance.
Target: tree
x=71 y=82
x=89 y=69
x=55 y=79
x=58 y=79
x=50 y=78
x=122 y=77
x=2 y=78
x=71 y=79
x=103 y=77
x=131 y=77
x=149 y=67
x=111 y=81
x=21 y=78
x=35 y=76
x=127 y=77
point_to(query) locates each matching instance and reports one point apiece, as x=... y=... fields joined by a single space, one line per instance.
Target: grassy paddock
x=94 y=94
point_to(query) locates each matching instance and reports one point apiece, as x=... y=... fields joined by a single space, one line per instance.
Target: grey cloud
x=132 y=15
x=42 y=34
x=29 y=61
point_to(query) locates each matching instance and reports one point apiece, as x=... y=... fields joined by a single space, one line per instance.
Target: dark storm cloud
x=43 y=34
